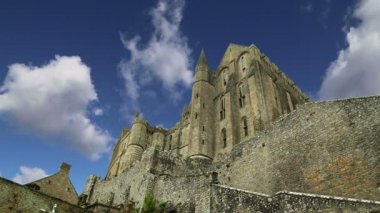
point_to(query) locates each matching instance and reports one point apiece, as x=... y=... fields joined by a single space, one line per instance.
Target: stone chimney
x=65 y=168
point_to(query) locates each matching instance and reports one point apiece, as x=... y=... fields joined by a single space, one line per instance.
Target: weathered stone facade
x=248 y=141
x=57 y=185
x=243 y=96
x=227 y=199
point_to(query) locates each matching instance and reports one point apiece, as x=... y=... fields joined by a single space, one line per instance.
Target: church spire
x=202 y=62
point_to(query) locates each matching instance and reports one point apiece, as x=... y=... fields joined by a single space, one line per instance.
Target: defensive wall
x=330 y=148
x=226 y=199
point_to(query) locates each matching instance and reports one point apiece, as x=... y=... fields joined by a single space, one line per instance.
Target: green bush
x=152 y=205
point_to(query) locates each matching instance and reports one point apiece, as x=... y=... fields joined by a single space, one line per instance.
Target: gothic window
x=196 y=115
x=224 y=138
x=243 y=64
x=170 y=142
x=222 y=109
x=179 y=138
x=225 y=76
x=241 y=95
x=245 y=126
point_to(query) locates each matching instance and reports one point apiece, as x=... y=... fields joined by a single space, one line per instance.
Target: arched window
x=224 y=138
x=222 y=109
x=241 y=95
x=179 y=139
x=243 y=64
x=196 y=115
x=245 y=126
x=170 y=142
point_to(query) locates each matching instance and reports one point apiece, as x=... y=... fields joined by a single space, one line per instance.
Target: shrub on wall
x=152 y=205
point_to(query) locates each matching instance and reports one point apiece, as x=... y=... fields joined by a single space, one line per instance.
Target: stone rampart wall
x=328 y=148
x=227 y=199
x=164 y=174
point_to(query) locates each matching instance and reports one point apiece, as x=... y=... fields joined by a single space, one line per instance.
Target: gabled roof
x=57 y=185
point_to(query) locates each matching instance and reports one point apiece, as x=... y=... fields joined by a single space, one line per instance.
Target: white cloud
x=28 y=174
x=165 y=57
x=98 y=112
x=51 y=101
x=356 y=71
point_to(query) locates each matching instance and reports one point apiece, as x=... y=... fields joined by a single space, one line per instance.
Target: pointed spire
x=202 y=58
x=202 y=62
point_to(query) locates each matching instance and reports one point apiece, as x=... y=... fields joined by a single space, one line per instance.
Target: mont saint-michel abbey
x=249 y=141
x=231 y=104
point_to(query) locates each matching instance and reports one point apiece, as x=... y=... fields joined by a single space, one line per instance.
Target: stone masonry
x=54 y=193
x=249 y=141
x=242 y=97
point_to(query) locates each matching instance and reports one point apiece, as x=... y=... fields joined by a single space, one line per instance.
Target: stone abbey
x=243 y=96
x=248 y=141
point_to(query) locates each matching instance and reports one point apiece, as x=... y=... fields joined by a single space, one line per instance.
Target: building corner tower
x=136 y=144
x=201 y=121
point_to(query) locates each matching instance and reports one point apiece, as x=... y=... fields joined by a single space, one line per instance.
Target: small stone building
x=57 y=185
x=54 y=193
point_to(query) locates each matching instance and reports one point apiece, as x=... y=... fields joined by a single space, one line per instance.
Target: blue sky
x=73 y=73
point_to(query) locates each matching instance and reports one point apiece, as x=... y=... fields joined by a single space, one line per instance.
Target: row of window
x=242 y=102
x=224 y=132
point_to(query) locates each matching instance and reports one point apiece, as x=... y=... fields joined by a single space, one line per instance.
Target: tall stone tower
x=201 y=121
x=136 y=144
